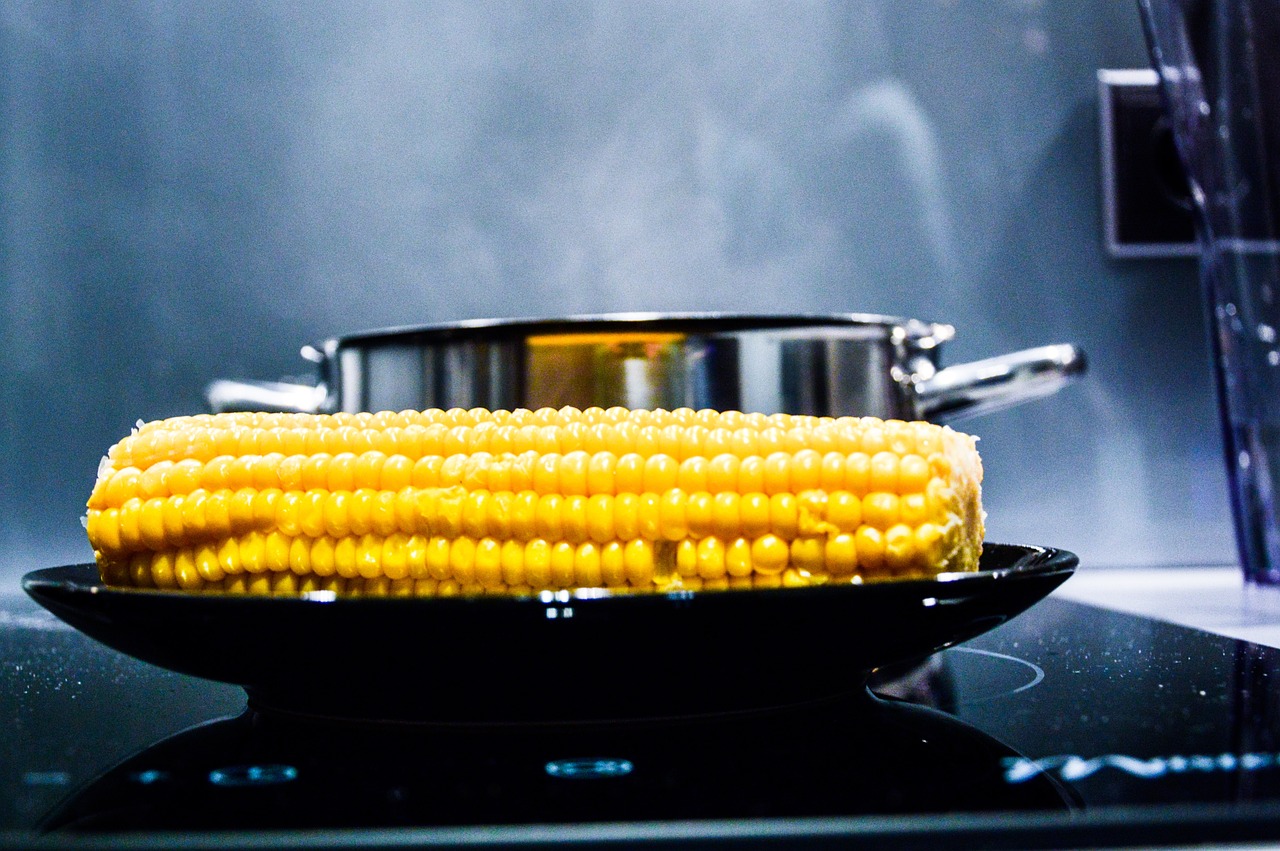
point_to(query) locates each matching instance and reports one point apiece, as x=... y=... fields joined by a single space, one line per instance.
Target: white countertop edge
x=1211 y=598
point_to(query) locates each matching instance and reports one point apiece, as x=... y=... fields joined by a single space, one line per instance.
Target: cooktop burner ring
x=1036 y=672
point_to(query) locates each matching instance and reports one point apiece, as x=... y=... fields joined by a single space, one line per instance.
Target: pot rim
x=916 y=333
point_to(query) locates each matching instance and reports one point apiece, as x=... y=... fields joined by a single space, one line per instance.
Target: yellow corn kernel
x=726 y=521
x=600 y=518
x=841 y=556
x=437 y=559
x=573 y=473
x=899 y=547
x=880 y=510
x=382 y=512
x=777 y=473
x=844 y=511
x=344 y=557
x=252 y=551
x=629 y=473
x=723 y=471
x=511 y=560
x=737 y=558
x=550 y=516
x=524 y=515
x=336 y=514
x=661 y=473
x=601 y=472
x=573 y=517
x=698 y=514
x=537 y=563
x=770 y=554
x=475 y=511
x=300 y=556
x=626 y=516
x=808 y=555
x=186 y=571
x=754 y=511
x=415 y=555
x=806 y=470
x=784 y=515
x=687 y=557
x=711 y=558
x=613 y=567
x=161 y=571
x=673 y=514
x=857 y=472
x=462 y=560
x=869 y=544
x=488 y=563
x=563 y=555
x=692 y=475
x=639 y=561
x=586 y=565
x=751 y=474
x=151 y=528
x=831 y=474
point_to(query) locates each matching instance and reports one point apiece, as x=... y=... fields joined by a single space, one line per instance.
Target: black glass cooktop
x=1068 y=726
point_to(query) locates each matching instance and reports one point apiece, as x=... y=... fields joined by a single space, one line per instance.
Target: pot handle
x=226 y=395
x=979 y=387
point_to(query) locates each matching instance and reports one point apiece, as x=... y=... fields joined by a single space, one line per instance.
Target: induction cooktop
x=1068 y=726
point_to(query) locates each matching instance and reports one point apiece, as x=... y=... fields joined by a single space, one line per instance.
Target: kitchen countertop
x=1212 y=598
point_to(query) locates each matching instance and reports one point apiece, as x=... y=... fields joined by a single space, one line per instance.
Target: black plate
x=555 y=657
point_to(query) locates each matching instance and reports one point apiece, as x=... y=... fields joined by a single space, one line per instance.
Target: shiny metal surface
x=825 y=365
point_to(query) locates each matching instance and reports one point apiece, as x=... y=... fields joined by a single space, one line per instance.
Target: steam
x=528 y=158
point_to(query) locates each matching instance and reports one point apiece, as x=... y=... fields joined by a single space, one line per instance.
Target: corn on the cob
x=440 y=503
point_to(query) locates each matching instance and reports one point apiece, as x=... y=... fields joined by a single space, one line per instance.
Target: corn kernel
x=661 y=473
x=626 y=516
x=784 y=515
x=880 y=510
x=488 y=563
x=698 y=514
x=601 y=472
x=563 y=555
x=711 y=558
x=687 y=557
x=512 y=563
x=573 y=473
x=599 y=518
x=344 y=557
x=550 y=516
x=869 y=543
x=737 y=558
x=639 y=559
x=574 y=518
x=673 y=514
x=537 y=563
x=629 y=473
x=613 y=568
x=770 y=554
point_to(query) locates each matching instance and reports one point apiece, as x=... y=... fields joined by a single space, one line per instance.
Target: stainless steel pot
x=827 y=365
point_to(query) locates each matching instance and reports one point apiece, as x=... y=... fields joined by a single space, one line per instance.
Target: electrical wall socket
x=1146 y=203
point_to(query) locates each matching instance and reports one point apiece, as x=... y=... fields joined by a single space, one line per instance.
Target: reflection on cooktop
x=846 y=756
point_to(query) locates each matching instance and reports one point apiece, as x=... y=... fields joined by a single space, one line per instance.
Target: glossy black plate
x=556 y=657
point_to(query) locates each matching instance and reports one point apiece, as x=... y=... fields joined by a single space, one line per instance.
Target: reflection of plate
x=847 y=756
x=556 y=657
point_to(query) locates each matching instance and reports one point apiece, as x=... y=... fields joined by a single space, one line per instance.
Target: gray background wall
x=190 y=190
